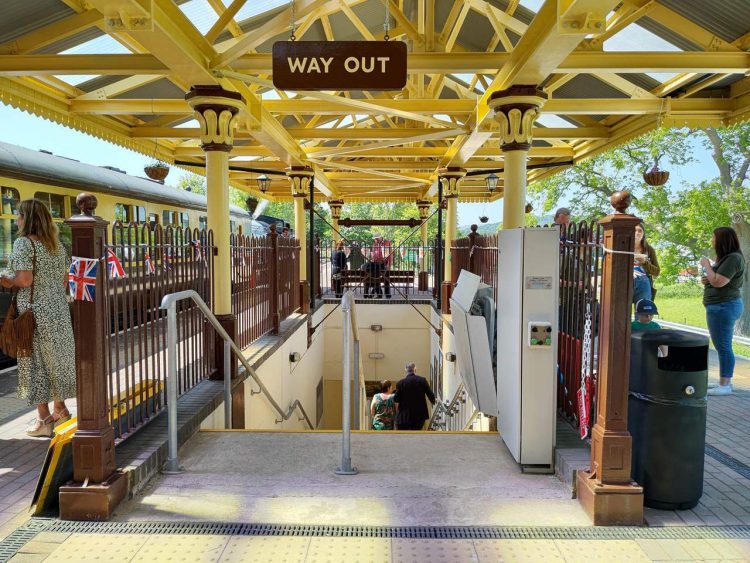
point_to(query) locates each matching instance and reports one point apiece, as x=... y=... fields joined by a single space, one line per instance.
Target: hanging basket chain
x=387 y=25
x=292 y=23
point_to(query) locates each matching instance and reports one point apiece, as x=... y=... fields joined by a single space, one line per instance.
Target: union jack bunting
x=114 y=267
x=82 y=278
x=166 y=261
x=149 y=263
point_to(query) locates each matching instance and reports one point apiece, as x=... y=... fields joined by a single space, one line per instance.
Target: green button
x=548 y=341
x=534 y=341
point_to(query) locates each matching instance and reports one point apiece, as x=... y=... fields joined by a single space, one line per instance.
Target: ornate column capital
x=423 y=205
x=215 y=110
x=335 y=206
x=451 y=178
x=300 y=177
x=516 y=109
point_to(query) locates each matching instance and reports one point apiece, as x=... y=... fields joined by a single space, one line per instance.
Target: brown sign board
x=339 y=65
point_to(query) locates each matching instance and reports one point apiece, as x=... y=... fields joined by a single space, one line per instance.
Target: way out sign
x=339 y=65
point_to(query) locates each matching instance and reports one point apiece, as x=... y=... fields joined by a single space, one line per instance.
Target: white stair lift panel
x=473 y=356
x=527 y=309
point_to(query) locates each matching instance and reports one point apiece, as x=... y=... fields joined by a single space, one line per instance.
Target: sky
x=23 y=129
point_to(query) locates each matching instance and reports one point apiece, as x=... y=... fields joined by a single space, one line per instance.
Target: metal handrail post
x=357 y=389
x=172 y=465
x=346 y=432
x=227 y=385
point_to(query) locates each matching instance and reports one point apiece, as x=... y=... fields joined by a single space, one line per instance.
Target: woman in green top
x=383 y=408
x=722 y=281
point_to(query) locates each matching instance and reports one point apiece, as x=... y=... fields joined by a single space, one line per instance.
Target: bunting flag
x=114 y=267
x=166 y=261
x=82 y=278
x=149 y=263
x=196 y=244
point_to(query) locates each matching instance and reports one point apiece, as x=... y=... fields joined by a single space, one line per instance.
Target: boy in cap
x=644 y=316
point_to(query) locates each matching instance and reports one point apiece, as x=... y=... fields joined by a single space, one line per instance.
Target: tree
x=679 y=220
x=192 y=183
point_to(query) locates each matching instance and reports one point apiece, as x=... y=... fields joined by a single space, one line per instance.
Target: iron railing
x=457 y=414
x=155 y=261
x=580 y=292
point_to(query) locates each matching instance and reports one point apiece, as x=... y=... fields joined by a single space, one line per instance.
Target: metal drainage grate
x=420 y=532
x=726 y=459
x=15 y=541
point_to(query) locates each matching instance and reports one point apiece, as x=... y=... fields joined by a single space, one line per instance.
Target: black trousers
x=410 y=426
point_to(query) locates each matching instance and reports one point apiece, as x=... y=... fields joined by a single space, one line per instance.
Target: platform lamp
x=491 y=182
x=263 y=182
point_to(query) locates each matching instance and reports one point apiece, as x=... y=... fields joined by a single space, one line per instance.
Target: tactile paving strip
x=726 y=459
x=15 y=541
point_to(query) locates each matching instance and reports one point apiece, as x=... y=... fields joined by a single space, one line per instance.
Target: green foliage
x=691 y=290
x=193 y=183
x=400 y=210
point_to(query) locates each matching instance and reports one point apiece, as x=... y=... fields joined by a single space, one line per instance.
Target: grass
x=682 y=304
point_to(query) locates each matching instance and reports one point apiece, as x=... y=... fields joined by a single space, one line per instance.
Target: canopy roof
x=119 y=69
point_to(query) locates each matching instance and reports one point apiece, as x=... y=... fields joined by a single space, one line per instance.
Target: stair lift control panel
x=540 y=334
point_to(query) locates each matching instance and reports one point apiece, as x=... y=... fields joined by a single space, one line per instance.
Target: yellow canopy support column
x=451 y=178
x=335 y=206
x=516 y=109
x=216 y=110
x=300 y=178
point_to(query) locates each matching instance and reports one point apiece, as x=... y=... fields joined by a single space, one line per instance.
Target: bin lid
x=670 y=337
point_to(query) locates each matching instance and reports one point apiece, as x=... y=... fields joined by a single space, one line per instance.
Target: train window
x=121 y=212
x=184 y=220
x=73 y=207
x=153 y=219
x=10 y=200
x=54 y=202
x=167 y=217
x=139 y=213
x=202 y=222
x=232 y=227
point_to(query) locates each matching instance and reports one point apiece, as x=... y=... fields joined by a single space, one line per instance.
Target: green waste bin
x=667 y=416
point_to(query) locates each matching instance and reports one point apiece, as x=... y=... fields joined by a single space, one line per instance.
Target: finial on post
x=620 y=201
x=86 y=204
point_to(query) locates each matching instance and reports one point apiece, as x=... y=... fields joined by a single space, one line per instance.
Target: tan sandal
x=42 y=428
x=61 y=417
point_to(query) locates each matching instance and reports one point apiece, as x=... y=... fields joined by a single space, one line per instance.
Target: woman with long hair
x=645 y=266
x=722 y=284
x=41 y=264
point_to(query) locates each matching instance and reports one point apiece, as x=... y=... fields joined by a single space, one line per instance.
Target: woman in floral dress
x=49 y=374
x=382 y=408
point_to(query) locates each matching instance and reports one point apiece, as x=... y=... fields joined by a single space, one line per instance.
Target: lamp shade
x=263 y=182
x=491 y=182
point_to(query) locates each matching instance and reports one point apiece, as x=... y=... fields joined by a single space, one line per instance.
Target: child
x=644 y=316
x=644 y=320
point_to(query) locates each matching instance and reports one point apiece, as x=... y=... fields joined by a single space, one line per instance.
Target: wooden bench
x=403 y=279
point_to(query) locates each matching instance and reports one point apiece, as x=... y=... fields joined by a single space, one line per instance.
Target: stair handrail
x=169 y=303
x=445 y=407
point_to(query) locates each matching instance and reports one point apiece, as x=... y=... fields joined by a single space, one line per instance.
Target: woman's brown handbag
x=17 y=334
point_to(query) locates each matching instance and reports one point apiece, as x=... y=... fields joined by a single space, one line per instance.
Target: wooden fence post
x=273 y=239
x=97 y=488
x=318 y=285
x=607 y=492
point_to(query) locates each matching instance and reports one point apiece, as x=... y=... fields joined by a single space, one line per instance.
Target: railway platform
x=294 y=508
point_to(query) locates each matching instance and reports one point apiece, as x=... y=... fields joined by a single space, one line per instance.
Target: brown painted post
x=318 y=287
x=94 y=440
x=607 y=492
x=273 y=239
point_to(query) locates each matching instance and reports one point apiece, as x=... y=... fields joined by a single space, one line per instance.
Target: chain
x=293 y=23
x=387 y=24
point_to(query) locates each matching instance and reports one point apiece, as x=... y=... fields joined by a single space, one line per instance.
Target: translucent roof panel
x=200 y=13
x=253 y=8
x=550 y=120
x=636 y=38
x=532 y=5
x=102 y=45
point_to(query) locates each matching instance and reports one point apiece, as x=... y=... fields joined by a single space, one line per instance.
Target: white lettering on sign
x=367 y=64
x=301 y=65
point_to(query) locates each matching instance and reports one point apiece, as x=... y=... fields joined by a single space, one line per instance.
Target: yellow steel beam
x=35 y=65
x=422 y=153
x=406 y=138
x=120 y=87
x=226 y=18
x=370 y=171
x=51 y=33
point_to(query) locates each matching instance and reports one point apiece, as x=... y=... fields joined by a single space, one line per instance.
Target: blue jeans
x=721 y=318
x=641 y=289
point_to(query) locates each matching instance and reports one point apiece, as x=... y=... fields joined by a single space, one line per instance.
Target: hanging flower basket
x=656 y=177
x=156 y=171
x=252 y=204
x=484 y=219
